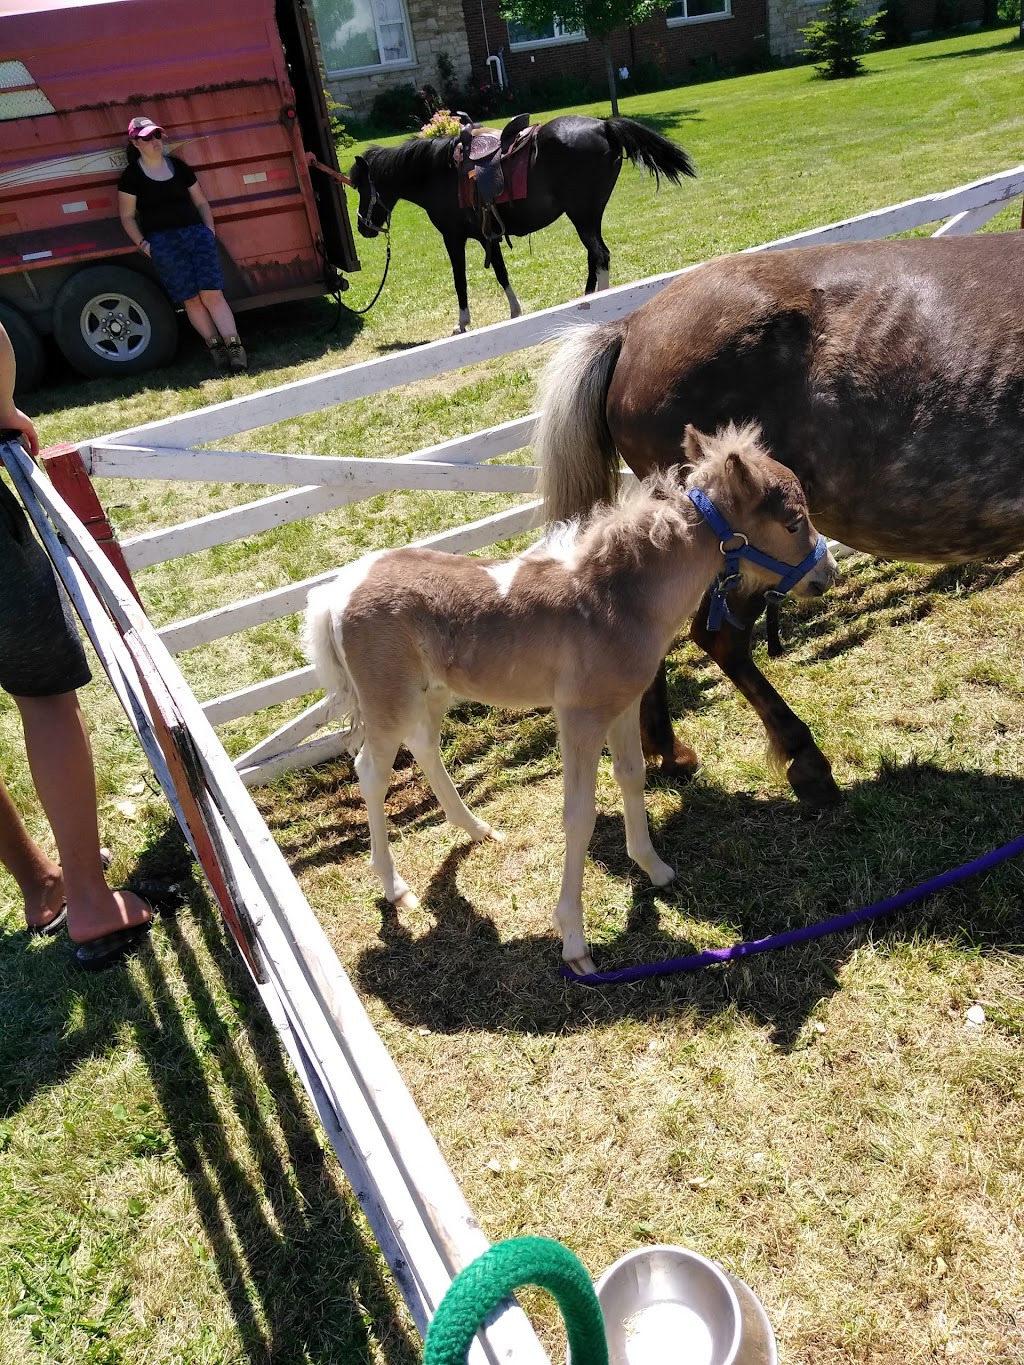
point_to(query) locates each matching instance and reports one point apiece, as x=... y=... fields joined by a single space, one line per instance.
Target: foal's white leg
x=515 y=308
x=373 y=769
x=630 y=770
x=463 y=323
x=602 y=279
x=425 y=740
x=581 y=739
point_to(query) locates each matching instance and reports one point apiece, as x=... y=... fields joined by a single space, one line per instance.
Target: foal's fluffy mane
x=652 y=512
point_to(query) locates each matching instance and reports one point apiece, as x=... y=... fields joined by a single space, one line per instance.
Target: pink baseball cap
x=143 y=127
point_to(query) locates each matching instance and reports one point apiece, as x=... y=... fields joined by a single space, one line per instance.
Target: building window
x=684 y=10
x=355 y=34
x=519 y=35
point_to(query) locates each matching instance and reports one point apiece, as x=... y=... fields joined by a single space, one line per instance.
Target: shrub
x=442 y=123
x=398 y=108
x=837 y=41
x=342 y=137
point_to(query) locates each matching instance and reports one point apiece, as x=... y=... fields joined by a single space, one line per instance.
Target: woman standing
x=166 y=215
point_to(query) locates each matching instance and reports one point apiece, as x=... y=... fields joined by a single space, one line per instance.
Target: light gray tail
x=321 y=639
x=579 y=465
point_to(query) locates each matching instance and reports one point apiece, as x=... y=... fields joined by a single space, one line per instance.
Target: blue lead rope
x=789 y=574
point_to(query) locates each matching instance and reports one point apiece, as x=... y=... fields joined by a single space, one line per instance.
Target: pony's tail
x=649 y=149
x=321 y=639
x=579 y=465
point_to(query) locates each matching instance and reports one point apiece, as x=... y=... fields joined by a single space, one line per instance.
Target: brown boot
x=237 y=359
x=219 y=354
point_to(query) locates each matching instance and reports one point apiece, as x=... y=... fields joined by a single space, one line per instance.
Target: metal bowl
x=665 y=1305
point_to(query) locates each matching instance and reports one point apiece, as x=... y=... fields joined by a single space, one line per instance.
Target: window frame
x=682 y=20
x=403 y=64
x=556 y=40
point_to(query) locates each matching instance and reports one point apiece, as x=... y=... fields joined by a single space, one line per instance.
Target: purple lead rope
x=810 y=931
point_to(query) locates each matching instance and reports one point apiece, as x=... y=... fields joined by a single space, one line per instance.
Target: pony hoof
x=408 y=900
x=815 y=791
x=458 y=331
x=662 y=874
x=582 y=966
x=496 y=835
x=680 y=767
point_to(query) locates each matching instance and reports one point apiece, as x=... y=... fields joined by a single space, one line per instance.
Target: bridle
x=365 y=220
x=789 y=574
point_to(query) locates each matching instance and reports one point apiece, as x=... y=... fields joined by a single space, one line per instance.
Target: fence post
x=68 y=474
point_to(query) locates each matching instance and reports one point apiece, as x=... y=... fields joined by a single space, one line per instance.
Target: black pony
x=577 y=162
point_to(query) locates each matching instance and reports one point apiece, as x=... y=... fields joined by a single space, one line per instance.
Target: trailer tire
x=29 y=357
x=111 y=321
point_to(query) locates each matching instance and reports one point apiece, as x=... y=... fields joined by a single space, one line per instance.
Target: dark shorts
x=186 y=260
x=41 y=654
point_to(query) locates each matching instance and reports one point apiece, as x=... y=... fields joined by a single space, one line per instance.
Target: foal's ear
x=694 y=445
x=737 y=470
x=358 y=168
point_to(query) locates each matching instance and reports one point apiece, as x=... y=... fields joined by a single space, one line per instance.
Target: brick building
x=369 y=46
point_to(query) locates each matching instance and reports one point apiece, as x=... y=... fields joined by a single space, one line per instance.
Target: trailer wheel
x=29 y=358
x=112 y=321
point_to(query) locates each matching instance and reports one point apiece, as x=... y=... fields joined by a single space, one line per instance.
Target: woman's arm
x=126 y=207
x=199 y=199
x=11 y=417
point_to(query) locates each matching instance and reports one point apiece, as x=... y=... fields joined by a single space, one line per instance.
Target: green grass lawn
x=824 y=1122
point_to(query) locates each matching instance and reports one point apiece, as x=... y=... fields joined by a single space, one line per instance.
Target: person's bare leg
x=39 y=877
x=216 y=306
x=199 y=316
x=60 y=758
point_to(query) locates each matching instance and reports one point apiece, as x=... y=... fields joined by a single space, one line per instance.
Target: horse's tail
x=649 y=149
x=578 y=461
x=321 y=639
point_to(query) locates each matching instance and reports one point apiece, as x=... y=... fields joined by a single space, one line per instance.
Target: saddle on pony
x=493 y=168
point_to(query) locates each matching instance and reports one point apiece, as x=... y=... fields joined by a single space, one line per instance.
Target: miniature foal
x=579 y=622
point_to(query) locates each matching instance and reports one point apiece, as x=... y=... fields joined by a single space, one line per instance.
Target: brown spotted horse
x=576 y=161
x=888 y=375
x=579 y=623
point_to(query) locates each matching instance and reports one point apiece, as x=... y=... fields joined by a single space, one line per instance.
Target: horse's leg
x=424 y=740
x=373 y=769
x=628 y=764
x=598 y=255
x=658 y=737
x=581 y=739
x=455 y=245
x=501 y=274
x=790 y=742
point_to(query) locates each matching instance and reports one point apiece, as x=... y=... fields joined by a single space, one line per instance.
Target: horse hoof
x=662 y=874
x=497 y=835
x=815 y=791
x=582 y=966
x=675 y=770
x=408 y=900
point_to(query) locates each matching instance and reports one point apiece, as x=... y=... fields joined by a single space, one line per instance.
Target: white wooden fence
x=161 y=450
x=412 y=1202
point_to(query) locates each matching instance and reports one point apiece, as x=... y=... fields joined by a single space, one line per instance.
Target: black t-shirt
x=161 y=204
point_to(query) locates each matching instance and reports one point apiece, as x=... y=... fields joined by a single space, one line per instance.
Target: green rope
x=492 y=1277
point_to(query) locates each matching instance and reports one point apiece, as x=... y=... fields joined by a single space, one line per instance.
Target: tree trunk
x=609 y=67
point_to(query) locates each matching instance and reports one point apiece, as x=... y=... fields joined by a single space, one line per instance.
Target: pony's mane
x=416 y=159
x=653 y=512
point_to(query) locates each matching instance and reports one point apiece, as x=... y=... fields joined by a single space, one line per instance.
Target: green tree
x=598 y=19
x=837 y=41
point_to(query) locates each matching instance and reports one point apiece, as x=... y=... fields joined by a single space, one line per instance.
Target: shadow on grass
x=746 y=868
x=275 y=338
x=298 y=1272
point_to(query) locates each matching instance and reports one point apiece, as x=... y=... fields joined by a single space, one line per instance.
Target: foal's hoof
x=581 y=966
x=408 y=900
x=682 y=766
x=496 y=835
x=661 y=874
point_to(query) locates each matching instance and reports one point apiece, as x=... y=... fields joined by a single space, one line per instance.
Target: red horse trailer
x=236 y=86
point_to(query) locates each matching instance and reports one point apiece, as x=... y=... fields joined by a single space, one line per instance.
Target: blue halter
x=789 y=574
